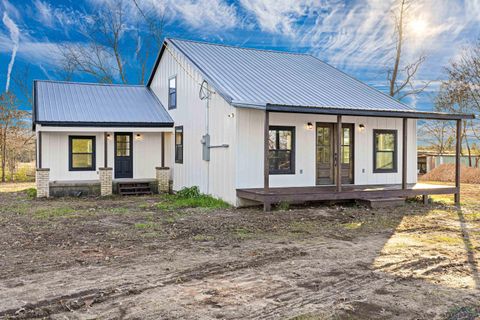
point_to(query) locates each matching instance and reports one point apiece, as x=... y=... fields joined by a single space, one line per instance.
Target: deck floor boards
x=349 y=192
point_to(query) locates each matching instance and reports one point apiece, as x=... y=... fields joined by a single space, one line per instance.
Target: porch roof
x=411 y=114
x=77 y=104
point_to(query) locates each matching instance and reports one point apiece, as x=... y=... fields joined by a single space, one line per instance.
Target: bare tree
x=461 y=92
x=438 y=134
x=11 y=120
x=112 y=30
x=401 y=77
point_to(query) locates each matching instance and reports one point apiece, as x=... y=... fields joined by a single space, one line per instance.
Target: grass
x=242 y=233
x=463 y=313
x=352 y=225
x=203 y=237
x=53 y=212
x=146 y=225
x=191 y=198
x=301 y=227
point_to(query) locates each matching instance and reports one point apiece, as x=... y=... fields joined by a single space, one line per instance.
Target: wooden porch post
x=163 y=149
x=266 y=165
x=338 y=159
x=458 y=150
x=105 y=150
x=404 y=154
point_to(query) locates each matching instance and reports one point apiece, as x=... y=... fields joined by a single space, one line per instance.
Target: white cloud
x=43 y=12
x=14 y=37
x=210 y=14
x=278 y=16
x=36 y=52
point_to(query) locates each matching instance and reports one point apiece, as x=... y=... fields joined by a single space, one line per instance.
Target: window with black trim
x=179 y=144
x=384 y=150
x=281 y=153
x=81 y=153
x=172 y=93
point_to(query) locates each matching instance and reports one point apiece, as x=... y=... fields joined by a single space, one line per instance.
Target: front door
x=325 y=153
x=123 y=155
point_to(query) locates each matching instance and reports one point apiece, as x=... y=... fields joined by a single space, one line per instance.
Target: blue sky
x=355 y=36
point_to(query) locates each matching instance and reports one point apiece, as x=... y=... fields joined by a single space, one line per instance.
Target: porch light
x=109 y=136
x=138 y=136
x=361 y=127
x=309 y=126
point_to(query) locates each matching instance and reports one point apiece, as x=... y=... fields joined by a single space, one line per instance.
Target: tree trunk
x=467 y=145
x=399 y=50
x=4 y=154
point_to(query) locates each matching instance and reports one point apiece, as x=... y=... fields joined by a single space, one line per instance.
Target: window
x=172 y=93
x=281 y=153
x=82 y=153
x=346 y=145
x=385 y=151
x=123 y=145
x=179 y=144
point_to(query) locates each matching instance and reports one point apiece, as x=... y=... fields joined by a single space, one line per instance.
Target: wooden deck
x=349 y=192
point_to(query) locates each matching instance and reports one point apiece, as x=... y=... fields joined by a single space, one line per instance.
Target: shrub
x=191 y=192
x=446 y=173
x=191 y=198
x=283 y=206
x=31 y=192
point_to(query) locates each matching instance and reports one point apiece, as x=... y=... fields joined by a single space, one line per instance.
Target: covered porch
x=339 y=190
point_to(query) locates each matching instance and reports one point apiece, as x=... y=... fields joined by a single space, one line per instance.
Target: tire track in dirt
x=88 y=297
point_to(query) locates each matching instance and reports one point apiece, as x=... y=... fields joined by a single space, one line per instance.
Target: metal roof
x=257 y=78
x=88 y=104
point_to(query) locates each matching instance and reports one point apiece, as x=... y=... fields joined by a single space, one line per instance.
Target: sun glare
x=418 y=26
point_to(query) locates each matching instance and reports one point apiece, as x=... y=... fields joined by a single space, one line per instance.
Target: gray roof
x=87 y=104
x=257 y=78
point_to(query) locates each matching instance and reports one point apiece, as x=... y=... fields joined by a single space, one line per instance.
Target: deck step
x=134 y=188
x=382 y=202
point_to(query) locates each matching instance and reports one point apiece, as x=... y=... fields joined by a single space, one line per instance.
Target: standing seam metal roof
x=78 y=103
x=257 y=78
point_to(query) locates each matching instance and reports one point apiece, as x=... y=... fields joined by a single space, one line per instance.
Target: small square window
x=81 y=153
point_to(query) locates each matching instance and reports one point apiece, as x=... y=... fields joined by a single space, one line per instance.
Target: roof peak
x=91 y=83
x=239 y=47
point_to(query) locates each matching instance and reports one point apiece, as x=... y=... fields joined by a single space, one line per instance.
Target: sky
x=356 y=36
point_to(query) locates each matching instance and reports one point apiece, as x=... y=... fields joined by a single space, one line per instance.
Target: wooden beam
x=368 y=113
x=338 y=154
x=105 y=150
x=404 y=153
x=458 y=151
x=266 y=164
x=163 y=150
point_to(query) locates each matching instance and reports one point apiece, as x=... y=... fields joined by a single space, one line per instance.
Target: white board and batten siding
x=241 y=164
x=217 y=176
x=55 y=155
x=250 y=149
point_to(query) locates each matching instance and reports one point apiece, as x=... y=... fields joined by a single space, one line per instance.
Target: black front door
x=123 y=155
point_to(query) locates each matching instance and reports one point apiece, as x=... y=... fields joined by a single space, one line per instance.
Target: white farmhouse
x=245 y=125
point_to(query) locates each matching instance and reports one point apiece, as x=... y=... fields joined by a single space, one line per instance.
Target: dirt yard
x=123 y=258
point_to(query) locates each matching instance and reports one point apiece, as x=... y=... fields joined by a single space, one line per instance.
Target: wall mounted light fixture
x=109 y=136
x=309 y=126
x=138 y=136
x=361 y=127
